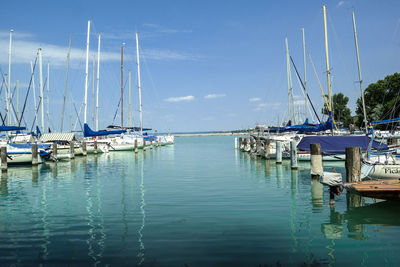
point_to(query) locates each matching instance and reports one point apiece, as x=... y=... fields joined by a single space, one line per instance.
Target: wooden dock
x=388 y=189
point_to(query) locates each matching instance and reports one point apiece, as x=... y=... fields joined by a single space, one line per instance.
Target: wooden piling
x=316 y=160
x=236 y=145
x=35 y=154
x=55 y=152
x=293 y=155
x=136 y=146
x=95 y=146
x=84 y=150
x=258 y=146
x=151 y=143
x=267 y=148
x=71 y=150
x=240 y=142
x=3 y=152
x=278 y=152
x=353 y=164
x=144 y=145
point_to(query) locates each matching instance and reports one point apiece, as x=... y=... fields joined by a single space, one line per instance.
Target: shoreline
x=208 y=134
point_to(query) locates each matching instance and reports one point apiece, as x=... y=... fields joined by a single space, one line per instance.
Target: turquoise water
x=198 y=203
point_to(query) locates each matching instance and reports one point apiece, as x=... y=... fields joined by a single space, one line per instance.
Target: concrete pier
x=278 y=152
x=293 y=155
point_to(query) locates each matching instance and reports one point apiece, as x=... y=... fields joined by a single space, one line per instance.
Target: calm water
x=198 y=202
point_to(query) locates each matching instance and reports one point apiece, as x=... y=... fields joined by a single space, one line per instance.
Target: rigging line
x=323 y=94
x=119 y=103
x=27 y=93
x=77 y=115
x=308 y=97
x=36 y=112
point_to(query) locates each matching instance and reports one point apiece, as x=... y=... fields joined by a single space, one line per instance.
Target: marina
x=159 y=207
x=200 y=133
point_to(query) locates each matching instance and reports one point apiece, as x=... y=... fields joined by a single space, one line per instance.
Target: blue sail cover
x=87 y=132
x=305 y=128
x=338 y=144
x=29 y=145
x=11 y=128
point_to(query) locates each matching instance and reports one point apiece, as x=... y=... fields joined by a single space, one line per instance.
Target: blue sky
x=205 y=65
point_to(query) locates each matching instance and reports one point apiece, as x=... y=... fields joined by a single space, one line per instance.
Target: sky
x=205 y=65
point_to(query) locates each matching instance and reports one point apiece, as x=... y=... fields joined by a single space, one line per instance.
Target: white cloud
x=25 y=50
x=161 y=29
x=160 y=54
x=210 y=96
x=209 y=118
x=180 y=98
x=343 y=4
x=254 y=99
x=263 y=106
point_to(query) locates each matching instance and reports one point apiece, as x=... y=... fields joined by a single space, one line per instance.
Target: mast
x=86 y=72
x=305 y=72
x=41 y=91
x=48 y=97
x=328 y=74
x=140 y=89
x=122 y=85
x=130 y=103
x=98 y=78
x=93 y=91
x=290 y=86
x=66 y=81
x=359 y=73
x=17 y=103
x=34 y=91
x=8 y=96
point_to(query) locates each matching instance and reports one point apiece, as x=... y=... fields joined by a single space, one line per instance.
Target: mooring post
x=55 y=149
x=84 y=151
x=258 y=146
x=151 y=142
x=71 y=150
x=244 y=143
x=316 y=160
x=267 y=148
x=95 y=146
x=136 y=146
x=240 y=142
x=353 y=164
x=159 y=142
x=293 y=155
x=144 y=144
x=278 y=152
x=252 y=144
x=34 y=154
x=236 y=145
x=3 y=152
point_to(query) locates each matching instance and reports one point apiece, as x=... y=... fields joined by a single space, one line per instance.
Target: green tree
x=341 y=113
x=381 y=100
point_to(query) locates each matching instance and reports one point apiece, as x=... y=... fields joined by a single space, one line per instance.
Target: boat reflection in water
x=358 y=216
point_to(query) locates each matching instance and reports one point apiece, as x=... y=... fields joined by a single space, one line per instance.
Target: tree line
x=381 y=103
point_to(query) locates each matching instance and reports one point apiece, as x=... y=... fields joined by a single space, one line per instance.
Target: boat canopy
x=11 y=128
x=52 y=137
x=338 y=144
x=87 y=132
x=307 y=128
